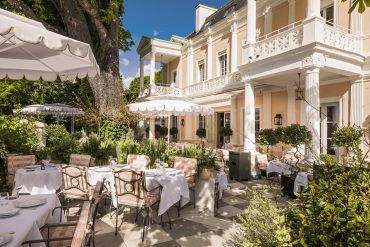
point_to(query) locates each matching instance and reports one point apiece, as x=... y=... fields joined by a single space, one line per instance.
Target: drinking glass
x=4 y=196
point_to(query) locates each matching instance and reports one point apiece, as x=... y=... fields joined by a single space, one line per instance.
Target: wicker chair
x=131 y=192
x=189 y=166
x=73 y=233
x=138 y=162
x=75 y=185
x=80 y=160
x=17 y=162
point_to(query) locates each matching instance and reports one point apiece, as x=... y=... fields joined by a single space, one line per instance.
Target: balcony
x=197 y=89
x=299 y=34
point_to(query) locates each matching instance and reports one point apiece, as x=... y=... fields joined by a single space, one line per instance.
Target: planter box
x=287 y=185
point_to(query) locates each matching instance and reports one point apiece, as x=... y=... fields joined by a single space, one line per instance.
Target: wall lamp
x=278 y=119
x=183 y=122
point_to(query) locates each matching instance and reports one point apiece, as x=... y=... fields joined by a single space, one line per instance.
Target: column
x=234 y=47
x=291 y=11
x=313 y=8
x=266 y=110
x=190 y=66
x=312 y=108
x=152 y=69
x=141 y=76
x=249 y=119
x=188 y=128
x=209 y=58
x=251 y=28
x=233 y=123
x=268 y=20
x=356 y=102
x=291 y=106
x=151 y=129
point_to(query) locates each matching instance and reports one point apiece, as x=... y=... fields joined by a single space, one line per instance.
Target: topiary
x=174 y=131
x=201 y=133
x=54 y=133
x=163 y=131
x=225 y=131
x=267 y=137
x=348 y=137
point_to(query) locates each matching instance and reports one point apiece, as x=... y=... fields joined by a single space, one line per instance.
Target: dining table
x=278 y=167
x=35 y=180
x=24 y=225
x=173 y=183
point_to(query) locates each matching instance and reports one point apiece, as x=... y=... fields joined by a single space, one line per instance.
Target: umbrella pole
x=168 y=129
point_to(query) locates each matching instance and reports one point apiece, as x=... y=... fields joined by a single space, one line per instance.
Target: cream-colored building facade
x=248 y=59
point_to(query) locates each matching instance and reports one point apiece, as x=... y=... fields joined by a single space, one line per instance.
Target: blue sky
x=157 y=18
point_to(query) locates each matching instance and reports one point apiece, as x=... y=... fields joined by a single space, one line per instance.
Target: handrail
x=280 y=30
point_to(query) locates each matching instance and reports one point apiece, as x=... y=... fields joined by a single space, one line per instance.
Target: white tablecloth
x=278 y=166
x=222 y=183
x=174 y=187
x=39 y=181
x=27 y=222
x=301 y=180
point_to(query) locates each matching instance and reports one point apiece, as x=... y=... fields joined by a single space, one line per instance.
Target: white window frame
x=221 y=53
x=202 y=123
x=324 y=10
x=199 y=77
x=173 y=77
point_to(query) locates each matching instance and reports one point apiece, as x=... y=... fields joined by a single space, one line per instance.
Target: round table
x=174 y=185
x=36 y=181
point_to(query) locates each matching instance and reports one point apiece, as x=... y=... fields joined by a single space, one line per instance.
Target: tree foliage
x=361 y=5
x=96 y=22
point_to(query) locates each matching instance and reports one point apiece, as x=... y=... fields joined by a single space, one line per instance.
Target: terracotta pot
x=206 y=174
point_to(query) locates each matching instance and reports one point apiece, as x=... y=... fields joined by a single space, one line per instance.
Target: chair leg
x=116 y=221
x=178 y=208
x=169 y=219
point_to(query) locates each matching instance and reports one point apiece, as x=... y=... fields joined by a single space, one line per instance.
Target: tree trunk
x=107 y=90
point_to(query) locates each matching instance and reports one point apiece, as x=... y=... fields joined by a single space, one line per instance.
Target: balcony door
x=329 y=123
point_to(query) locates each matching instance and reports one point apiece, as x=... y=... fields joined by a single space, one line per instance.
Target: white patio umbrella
x=28 y=50
x=56 y=109
x=166 y=106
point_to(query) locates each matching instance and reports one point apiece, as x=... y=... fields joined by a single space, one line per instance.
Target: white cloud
x=126 y=81
x=155 y=33
x=125 y=61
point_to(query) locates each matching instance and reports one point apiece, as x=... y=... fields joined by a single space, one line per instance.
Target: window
x=174 y=75
x=201 y=71
x=328 y=14
x=222 y=59
x=257 y=116
x=202 y=122
x=229 y=10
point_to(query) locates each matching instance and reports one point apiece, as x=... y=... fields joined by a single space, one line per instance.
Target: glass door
x=330 y=122
x=223 y=120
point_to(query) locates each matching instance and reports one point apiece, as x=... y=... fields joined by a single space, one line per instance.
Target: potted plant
x=225 y=132
x=293 y=135
x=348 y=137
x=267 y=137
x=201 y=133
x=173 y=132
x=207 y=166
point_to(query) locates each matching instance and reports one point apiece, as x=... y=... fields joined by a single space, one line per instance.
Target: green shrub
x=335 y=209
x=163 y=131
x=125 y=147
x=267 y=137
x=201 y=133
x=263 y=224
x=112 y=130
x=100 y=149
x=154 y=149
x=54 y=134
x=225 y=131
x=347 y=136
x=67 y=145
x=16 y=136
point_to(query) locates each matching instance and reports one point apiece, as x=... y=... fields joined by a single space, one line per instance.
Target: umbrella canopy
x=167 y=106
x=28 y=50
x=164 y=106
x=52 y=109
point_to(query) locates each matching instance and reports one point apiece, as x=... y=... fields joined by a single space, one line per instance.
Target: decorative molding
x=314 y=60
x=335 y=37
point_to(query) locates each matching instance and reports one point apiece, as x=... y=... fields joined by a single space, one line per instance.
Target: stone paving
x=192 y=228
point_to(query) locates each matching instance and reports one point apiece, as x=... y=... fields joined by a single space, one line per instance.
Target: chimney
x=201 y=14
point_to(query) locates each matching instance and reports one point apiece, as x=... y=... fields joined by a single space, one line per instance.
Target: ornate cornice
x=314 y=60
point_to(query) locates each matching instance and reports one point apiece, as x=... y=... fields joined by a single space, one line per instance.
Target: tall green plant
x=267 y=137
x=125 y=147
x=348 y=137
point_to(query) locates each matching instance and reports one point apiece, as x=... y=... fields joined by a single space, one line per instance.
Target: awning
x=28 y=50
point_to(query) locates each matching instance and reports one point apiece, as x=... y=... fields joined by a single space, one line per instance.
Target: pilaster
x=234 y=47
x=249 y=118
x=209 y=58
x=266 y=110
x=291 y=106
x=356 y=114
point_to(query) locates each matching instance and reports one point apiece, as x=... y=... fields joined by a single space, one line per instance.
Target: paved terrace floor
x=192 y=229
